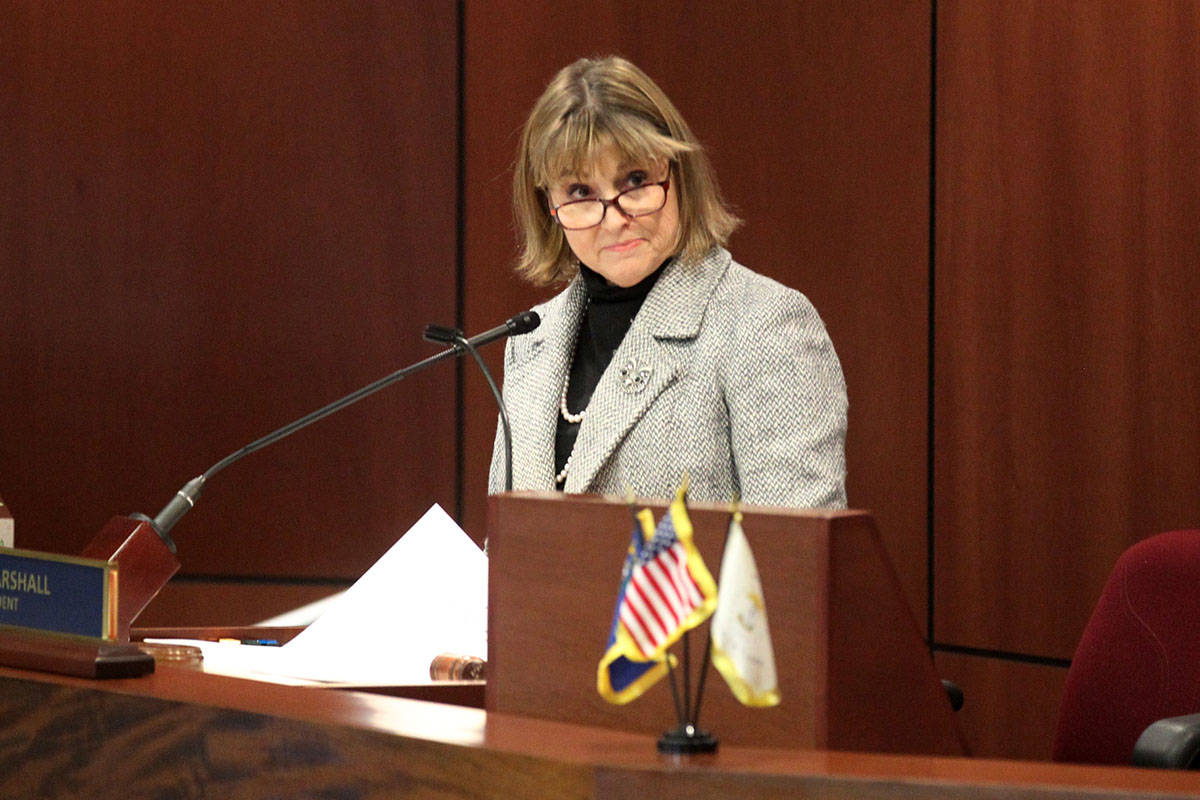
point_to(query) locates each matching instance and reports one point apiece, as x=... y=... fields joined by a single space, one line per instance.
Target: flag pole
x=735 y=510
x=675 y=693
x=631 y=502
x=703 y=674
x=687 y=650
x=686 y=738
x=687 y=680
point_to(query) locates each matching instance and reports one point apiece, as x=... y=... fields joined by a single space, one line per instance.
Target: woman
x=662 y=356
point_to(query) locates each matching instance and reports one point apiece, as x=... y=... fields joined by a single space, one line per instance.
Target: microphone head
x=440 y=334
x=523 y=323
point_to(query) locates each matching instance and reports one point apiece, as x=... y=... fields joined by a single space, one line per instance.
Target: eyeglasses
x=576 y=215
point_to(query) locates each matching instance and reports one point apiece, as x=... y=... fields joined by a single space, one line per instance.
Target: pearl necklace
x=574 y=419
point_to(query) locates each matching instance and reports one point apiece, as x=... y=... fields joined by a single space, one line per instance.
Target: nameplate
x=58 y=594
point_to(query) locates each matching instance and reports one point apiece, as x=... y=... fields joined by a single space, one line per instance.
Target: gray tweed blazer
x=724 y=374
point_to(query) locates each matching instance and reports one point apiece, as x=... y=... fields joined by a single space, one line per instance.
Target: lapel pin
x=635 y=378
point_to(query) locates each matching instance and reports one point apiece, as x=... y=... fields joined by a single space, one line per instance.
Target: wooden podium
x=854 y=672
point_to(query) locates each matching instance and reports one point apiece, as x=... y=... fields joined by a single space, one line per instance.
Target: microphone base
x=144 y=565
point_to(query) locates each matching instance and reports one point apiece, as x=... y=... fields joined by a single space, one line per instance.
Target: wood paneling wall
x=218 y=217
x=1068 y=348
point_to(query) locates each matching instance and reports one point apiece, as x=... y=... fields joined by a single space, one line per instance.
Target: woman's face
x=622 y=249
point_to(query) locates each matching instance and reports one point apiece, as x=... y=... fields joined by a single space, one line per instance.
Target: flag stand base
x=687 y=739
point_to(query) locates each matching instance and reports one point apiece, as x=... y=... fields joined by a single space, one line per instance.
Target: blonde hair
x=590 y=105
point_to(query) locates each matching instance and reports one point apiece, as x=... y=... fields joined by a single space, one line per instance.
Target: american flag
x=661 y=594
x=620 y=679
x=665 y=590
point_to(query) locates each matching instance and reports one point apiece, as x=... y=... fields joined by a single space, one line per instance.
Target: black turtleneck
x=607 y=315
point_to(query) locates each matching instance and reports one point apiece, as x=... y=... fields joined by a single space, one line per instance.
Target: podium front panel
x=853 y=671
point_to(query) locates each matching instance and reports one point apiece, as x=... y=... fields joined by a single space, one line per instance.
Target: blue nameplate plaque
x=58 y=594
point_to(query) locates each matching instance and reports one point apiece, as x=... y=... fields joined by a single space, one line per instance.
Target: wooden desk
x=181 y=733
x=468 y=693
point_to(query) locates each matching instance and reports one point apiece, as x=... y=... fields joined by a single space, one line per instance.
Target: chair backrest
x=1139 y=657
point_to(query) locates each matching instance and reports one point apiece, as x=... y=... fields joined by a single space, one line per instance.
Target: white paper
x=255 y=662
x=302 y=616
x=425 y=597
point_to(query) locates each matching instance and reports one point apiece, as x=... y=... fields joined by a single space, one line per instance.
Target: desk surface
x=183 y=733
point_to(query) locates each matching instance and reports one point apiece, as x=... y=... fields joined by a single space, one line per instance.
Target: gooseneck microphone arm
x=508 y=482
x=442 y=334
x=186 y=497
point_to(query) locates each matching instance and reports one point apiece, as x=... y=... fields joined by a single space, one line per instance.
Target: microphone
x=524 y=322
x=185 y=498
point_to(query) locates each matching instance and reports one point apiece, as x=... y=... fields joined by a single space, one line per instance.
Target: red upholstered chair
x=1138 y=661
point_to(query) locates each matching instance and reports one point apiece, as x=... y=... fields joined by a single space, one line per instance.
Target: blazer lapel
x=534 y=380
x=648 y=360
